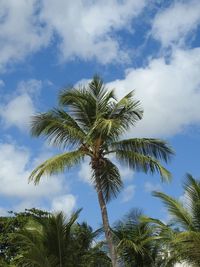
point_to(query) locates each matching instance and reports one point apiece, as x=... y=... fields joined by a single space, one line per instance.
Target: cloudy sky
x=151 y=46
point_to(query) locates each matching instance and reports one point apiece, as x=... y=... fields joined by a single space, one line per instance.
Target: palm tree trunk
x=108 y=233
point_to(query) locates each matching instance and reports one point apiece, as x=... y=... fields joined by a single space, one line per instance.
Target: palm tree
x=44 y=242
x=183 y=237
x=57 y=242
x=91 y=123
x=137 y=244
x=87 y=251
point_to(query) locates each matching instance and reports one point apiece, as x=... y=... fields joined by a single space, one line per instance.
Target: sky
x=150 y=46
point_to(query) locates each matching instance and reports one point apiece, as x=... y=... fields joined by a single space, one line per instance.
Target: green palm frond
x=109 y=179
x=192 y=194
x=56 y=165
x=108 y=129
x=186 y=245
x=136 y=240
x=156 y=148
x=127 y=109
x=58 y=127
x=82 y=105
x=46 y=241
x=34 y=253
x=143 y=163
x=179 y=213
x=97 y=87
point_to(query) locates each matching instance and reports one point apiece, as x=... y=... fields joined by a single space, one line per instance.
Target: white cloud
x=18 y=111
x=20 y=107
x=21 y=30
x=86 y=29
x=65 y=203
x=169 y=93
x=172 y=25
x=128 y=193
x=92 y=34
x=14 y=172
x=126 y=173
x=149 y=187
x=85 y=172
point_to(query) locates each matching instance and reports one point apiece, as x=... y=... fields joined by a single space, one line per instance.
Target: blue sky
x=46 y=45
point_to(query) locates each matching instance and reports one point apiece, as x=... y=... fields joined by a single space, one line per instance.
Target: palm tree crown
x=90 y=123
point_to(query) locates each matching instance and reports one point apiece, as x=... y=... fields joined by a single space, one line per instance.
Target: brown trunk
x=108 y=233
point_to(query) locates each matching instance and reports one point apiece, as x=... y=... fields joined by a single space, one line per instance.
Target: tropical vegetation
x=90 y=122
x=36 y=238
x=181 y=238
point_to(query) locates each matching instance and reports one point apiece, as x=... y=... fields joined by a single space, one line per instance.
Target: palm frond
x=192 y=193
x=81 y=105
x=97 y=87
x=179 y=214
x=136 y=240
x=58 y=127
x=143 y=163
x=127 y=109
x=56 y=165
x=156 y=148
x=109 y=179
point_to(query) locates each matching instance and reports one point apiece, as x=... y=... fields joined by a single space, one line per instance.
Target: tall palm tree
x=183 y=239
x=90 y=122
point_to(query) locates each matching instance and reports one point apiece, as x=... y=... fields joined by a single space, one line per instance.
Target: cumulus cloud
x=65 y=203
x=19 y=107
x=172 y=25
x=86 y=29
x=128 y=193
x=21 y=30
x=52 y=193
x=15 y=170
x=92 y=34
x=169 y=92
x=85 y=172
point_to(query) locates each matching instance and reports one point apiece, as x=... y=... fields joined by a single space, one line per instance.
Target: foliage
x=90 y=123
x=10 y=225
x=56 y=241
x=136 y=241
x=182 y=237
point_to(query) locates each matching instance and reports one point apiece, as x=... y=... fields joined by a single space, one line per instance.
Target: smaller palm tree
x=136 y=240
x=57 y=242
x=183 y=236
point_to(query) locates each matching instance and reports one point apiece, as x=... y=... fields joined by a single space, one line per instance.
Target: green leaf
x=56 y=165
x=143 y=163
x=179 y=214
x=156 y=148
